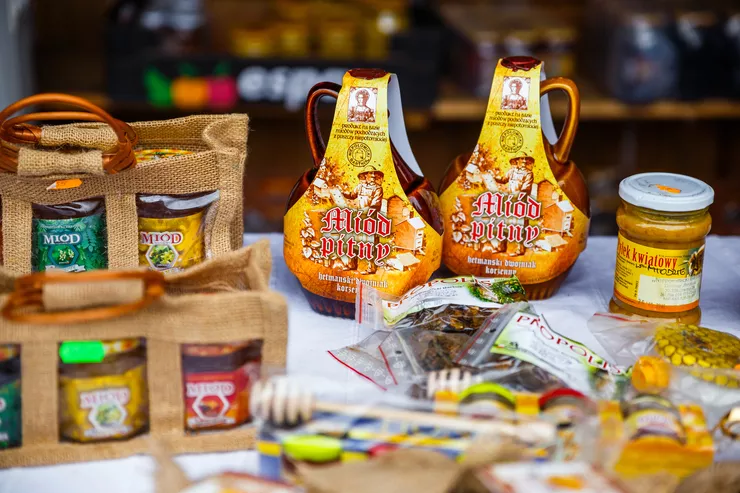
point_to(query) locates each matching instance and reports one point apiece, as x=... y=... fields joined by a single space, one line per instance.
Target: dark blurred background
x=660 y=80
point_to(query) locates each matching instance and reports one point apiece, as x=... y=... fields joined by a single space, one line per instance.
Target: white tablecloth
x=587 y=290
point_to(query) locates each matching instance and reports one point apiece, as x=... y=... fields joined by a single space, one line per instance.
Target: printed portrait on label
x=362 y=105
x=515 y=93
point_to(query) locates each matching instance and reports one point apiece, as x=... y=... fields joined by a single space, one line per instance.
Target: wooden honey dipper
x=452 y=380
x=284 y=403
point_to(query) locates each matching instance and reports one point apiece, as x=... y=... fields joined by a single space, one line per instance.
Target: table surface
x=586 y=291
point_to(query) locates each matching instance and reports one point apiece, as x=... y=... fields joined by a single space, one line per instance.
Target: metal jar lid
x=666 y=192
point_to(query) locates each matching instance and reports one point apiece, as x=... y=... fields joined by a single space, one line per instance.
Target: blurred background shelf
x=669 y=105
x=452 y=106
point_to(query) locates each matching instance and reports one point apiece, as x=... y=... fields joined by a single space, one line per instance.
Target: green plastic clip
x=73 y=352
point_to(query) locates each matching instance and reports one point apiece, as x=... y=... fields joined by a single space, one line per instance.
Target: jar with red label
x=218 y=379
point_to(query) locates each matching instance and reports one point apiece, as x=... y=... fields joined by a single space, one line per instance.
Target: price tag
x=65 y=184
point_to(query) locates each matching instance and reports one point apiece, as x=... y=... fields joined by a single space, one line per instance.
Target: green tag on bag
x=82 y=352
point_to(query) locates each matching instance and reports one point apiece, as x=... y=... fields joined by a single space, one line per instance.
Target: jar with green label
x=10 y=397
x=69 y=237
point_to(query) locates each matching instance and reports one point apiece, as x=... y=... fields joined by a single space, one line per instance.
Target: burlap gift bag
x=222 y=300
x=59 y=164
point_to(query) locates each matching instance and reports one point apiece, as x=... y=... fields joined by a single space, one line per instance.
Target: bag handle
x=16 y=130
x=27 y=303
x=313 y=131
x=561 y=150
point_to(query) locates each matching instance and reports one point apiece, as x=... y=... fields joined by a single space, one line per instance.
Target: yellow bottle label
x=505 y=214
x=171 y=243
x=102 y=408
x=657 y=279
x=355 y=222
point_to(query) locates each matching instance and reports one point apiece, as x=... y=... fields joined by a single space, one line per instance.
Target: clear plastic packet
x=311 y=421
x=720 y=406
x=459 y=304
x=365 y=359
x=450 y=309
x=703 y=362
x=517 y=347
x=411 y=352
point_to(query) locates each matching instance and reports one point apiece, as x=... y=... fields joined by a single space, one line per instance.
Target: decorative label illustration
x=111 y=406
x=355 y=221
x=505 y=214
x=219 y=399
x=171 y=243
x=656 y=279
x=71 y=245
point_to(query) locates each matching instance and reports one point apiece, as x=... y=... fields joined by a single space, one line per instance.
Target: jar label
x=217 y=400
x=355 y=222
x=657 y=279
x=100 y=408
x=505 y=214
x=10 y=414
x=71 y=245
x=653 y=422
x=171 y=243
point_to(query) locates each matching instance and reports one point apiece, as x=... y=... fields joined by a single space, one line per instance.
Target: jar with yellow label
x=663 y=223
x=106 y=400
x=172 y=228
x=651 y=415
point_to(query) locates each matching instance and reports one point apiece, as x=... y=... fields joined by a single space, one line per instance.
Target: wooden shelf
x=466 y=108
x=451 y=107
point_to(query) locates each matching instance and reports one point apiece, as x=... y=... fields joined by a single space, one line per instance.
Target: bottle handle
x=313 y=130
x=561 y=150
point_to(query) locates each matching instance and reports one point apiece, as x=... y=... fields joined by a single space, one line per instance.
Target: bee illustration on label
x=696 y=262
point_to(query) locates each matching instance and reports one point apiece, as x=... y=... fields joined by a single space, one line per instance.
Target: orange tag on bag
x=65 y=184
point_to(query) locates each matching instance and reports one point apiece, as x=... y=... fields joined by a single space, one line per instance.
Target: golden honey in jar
x=663 y=223
x=103 y=398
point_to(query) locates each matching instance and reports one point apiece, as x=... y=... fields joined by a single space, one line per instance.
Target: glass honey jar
x=663 y=223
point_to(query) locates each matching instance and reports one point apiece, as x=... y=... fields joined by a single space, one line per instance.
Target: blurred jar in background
x=293 y=29
x=385 y=18
x=732 y=42
x=254 y=41
x=520 y=42
x=642 y=61
x=701 y=43
x=338 y=29
x=558 y=51
x=179 y=24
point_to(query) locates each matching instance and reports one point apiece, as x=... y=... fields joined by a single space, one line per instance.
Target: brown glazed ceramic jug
x=517 y=205
x=359 y=177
